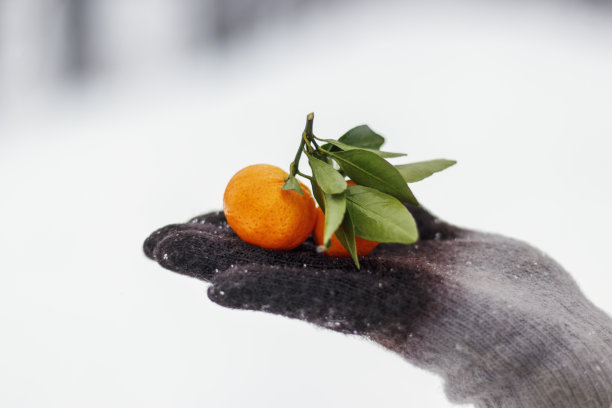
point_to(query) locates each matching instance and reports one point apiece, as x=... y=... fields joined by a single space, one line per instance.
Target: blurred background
x=118 y=117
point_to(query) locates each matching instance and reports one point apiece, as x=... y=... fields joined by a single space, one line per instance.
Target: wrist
x=495 y=357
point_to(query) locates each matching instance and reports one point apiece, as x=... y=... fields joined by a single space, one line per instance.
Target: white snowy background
x=519 y=94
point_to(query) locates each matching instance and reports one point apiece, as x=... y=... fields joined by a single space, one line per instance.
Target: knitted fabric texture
x=502 y=323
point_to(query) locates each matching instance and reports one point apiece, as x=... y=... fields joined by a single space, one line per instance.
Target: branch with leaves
x=372 y=209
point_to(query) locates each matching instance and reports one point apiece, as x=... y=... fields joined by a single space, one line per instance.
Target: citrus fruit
x=262 y=214
x=336 y=249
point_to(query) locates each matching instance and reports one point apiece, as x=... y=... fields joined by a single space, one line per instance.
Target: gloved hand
x=501 y=322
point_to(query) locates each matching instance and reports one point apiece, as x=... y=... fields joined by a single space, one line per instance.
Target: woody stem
x=307 y=136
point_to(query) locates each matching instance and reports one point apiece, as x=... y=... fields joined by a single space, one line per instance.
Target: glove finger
x=216 y=218
x=207 y=221
x=156 y=237
x=343 y=300
x=202 y=252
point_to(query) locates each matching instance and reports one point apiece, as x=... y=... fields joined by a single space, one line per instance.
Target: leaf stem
x=304 y=175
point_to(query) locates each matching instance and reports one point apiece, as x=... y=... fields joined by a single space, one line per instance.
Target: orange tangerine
x=262 y=214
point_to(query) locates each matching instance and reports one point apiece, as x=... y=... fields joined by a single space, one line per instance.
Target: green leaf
x=335 y=207
x=292 y=184
x=362 y=136
x=368 y=169
x=346 y=236
x=327 y=147
x=318 y=194
x=380 y=217
x=330 y=181
x=344 y=146
x=412 y=172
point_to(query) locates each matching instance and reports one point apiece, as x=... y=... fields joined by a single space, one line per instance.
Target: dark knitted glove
x=501 y=322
